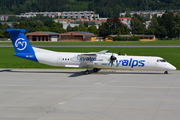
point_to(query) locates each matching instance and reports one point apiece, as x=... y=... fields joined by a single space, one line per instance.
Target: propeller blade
x=119 y=53
x=112 y=59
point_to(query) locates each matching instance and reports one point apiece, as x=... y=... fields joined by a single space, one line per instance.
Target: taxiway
x=68 y=94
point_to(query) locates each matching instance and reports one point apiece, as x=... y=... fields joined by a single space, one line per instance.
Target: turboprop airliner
x=95 y=60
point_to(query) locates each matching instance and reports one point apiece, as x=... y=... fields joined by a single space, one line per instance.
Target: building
x=96 y=38
x=66 y=22
x=126 y=21
x=5 y=17
x=126 y=37
x=43 y=36
x=149 y=13
x=80 y=14
x=76 y=36
x=65 y=15
x=147 y=37
x=34 y=14
x=63 y=20
x=72 y=22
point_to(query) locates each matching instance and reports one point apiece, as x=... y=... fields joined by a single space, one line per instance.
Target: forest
x=105 y=8
x=165 y=27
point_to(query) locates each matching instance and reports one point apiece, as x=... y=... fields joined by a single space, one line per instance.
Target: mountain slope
x=105 y=8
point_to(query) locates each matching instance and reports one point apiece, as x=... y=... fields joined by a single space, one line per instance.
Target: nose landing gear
x=166 y=72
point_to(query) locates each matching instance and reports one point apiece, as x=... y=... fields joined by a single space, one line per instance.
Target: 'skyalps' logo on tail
x=20 y=44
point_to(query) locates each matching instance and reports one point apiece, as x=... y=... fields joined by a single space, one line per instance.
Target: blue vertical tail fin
x=20 y=42
x=21 y=45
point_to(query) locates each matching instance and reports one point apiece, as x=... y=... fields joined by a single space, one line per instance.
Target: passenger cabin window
x=161 y=60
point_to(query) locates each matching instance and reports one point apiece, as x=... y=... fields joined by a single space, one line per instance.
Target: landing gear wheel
x=96 y=70
x=86 y=72
x=166 y=72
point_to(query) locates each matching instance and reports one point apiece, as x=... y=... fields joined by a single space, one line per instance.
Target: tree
x=113 y=24
x=1 y=34
x=1 y=25
x=5 y=26
x=161 y=32
x=49 y=23
x=154 y=23
x=93 y=29
x=38 y=23
x=58 y=29
x=15 y=25
x=137 y=26
x=128 y=14
x=177 y=26
x=167 y=20
x=22 y=25
x=149 y=31
x=76 y=28
x=103 y=29
x=69 y=28
x=82 y=27
x=105 y=8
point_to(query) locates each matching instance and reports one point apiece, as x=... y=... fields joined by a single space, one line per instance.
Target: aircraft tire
x=86 y=72
x=166 y=72
x=96 y=70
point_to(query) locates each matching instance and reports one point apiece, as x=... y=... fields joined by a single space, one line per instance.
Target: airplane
x=95 y=60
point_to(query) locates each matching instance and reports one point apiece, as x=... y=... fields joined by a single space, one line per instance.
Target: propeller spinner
x=112 y=59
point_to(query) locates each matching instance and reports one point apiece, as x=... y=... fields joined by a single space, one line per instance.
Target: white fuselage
x=101 y=61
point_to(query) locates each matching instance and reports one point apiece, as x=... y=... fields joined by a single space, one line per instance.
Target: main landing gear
x=86 y=72
x=95 y=70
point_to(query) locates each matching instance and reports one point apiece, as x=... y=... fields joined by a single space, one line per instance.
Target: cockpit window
x=161 y=60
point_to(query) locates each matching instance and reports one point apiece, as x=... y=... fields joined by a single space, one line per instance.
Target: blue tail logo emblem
x=20 y=44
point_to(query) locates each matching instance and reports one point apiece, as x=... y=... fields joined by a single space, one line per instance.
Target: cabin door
x=59 y=60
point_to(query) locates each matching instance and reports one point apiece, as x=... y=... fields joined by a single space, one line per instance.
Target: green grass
x=7 y=60
x=158 y=42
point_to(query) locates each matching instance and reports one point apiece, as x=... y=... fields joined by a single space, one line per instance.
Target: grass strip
x=158 y=42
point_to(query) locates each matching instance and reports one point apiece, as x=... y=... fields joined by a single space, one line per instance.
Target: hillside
x=105 y=8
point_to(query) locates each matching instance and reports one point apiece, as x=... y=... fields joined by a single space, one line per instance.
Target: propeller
x=119 y=53
x=112 y=59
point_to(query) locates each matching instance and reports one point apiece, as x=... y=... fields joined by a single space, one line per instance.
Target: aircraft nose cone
x=171 y=67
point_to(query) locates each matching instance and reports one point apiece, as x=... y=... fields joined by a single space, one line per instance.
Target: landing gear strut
x=166 y=72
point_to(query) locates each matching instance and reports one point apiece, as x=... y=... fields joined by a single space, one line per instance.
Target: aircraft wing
x=103 y=51
x=94 y=53
x=88 y=57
